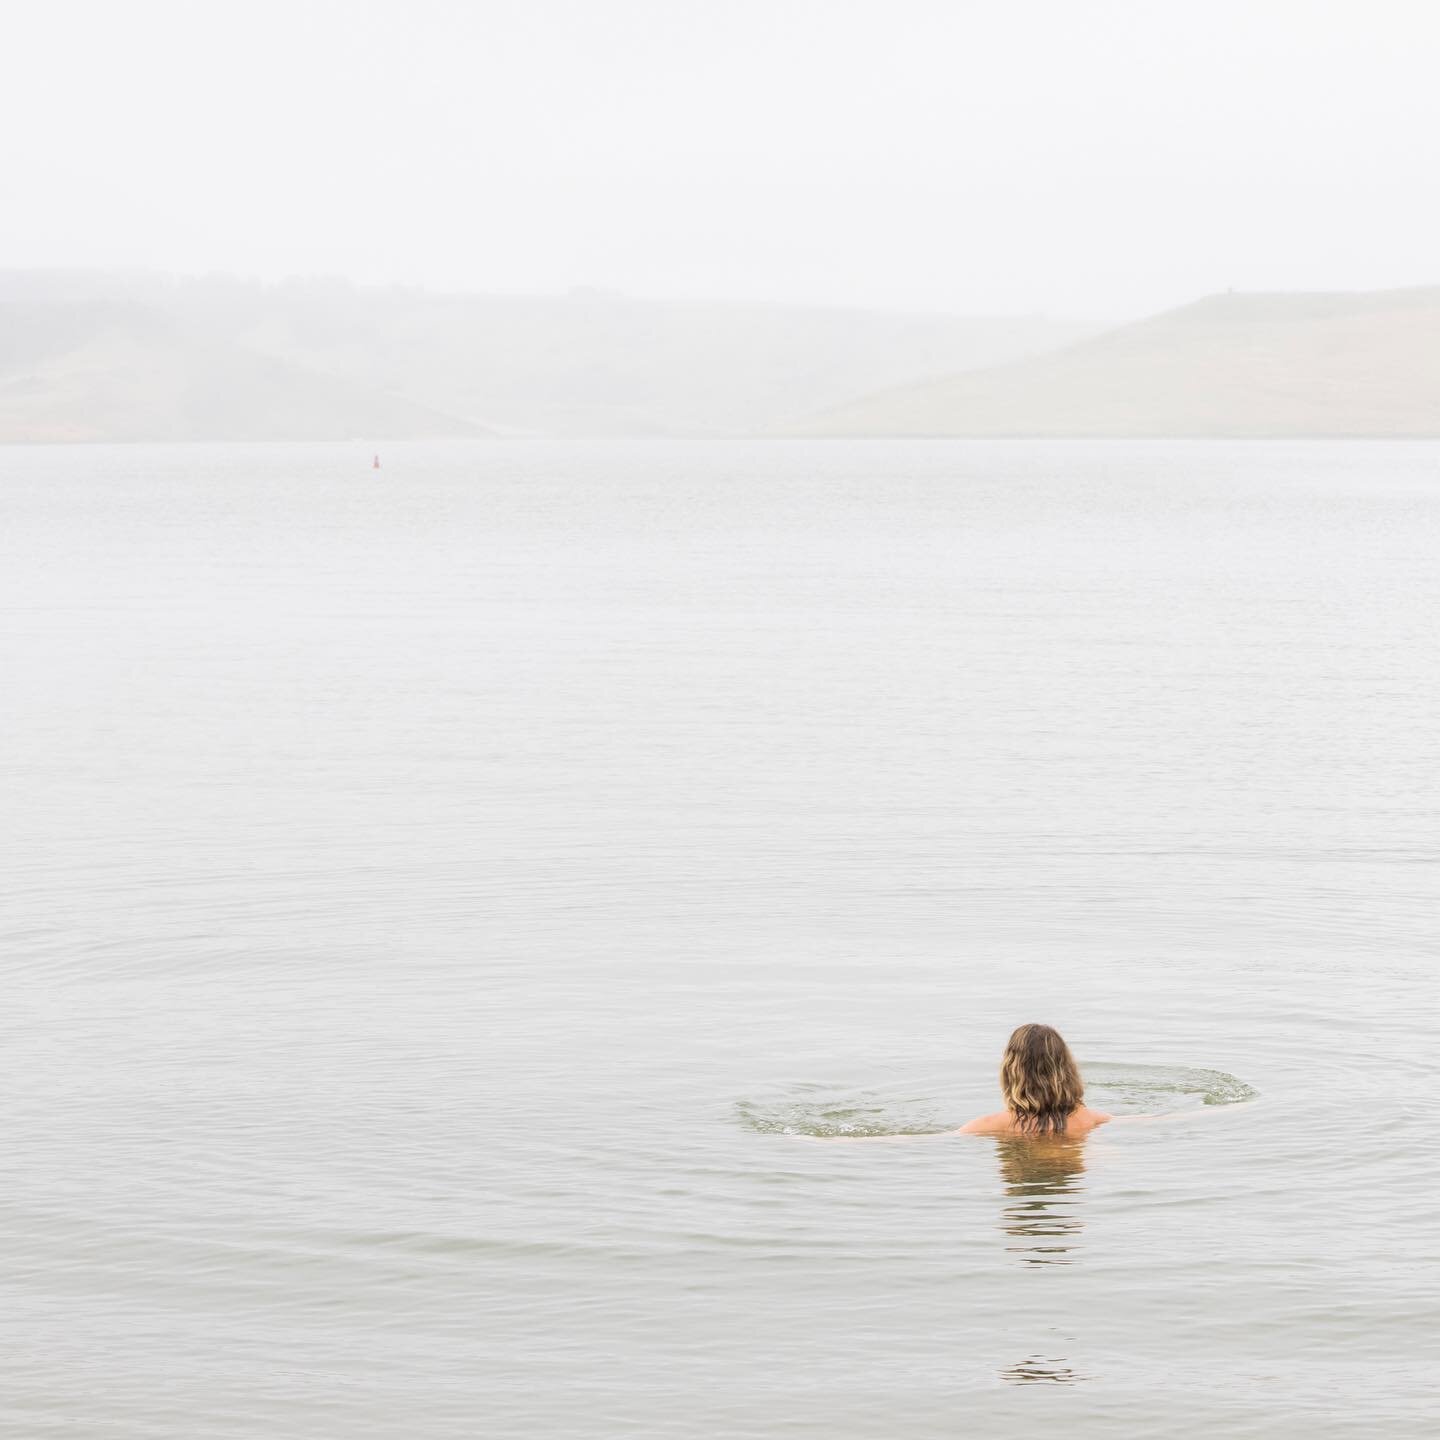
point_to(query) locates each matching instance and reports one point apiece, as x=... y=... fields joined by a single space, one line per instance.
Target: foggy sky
x=1094 y=158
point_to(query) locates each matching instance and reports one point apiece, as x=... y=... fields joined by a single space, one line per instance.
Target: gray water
x=444 y=908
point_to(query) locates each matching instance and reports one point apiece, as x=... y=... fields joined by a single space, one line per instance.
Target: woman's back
x=1079 y=1121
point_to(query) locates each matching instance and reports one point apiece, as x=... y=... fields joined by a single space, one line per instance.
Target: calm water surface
x=442 y=907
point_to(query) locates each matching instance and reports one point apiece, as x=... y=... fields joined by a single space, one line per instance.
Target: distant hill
x=99 y=356
x=599 y=364
x=1230 y=365
x=113 y=370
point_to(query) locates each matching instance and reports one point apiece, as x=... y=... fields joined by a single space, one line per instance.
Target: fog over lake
x=453 y=914
x=601 y=606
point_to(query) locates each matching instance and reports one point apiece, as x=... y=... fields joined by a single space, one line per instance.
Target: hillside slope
x=597 y=364
x=117 y=356
x=118 y=371
x=1229 y=365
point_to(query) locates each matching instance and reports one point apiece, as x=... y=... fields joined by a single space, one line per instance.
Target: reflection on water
x=1038 y=1369
x=1042 y=1184
x=1043 y=1187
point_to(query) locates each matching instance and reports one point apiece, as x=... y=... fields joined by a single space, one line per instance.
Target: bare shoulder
x=997 y=1124
x=1087 y=1119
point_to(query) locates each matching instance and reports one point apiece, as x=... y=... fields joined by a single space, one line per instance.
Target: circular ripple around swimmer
x=1161 y=1089
x=828 y=1113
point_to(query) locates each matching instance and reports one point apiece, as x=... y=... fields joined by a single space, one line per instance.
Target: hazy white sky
x=1097 y=158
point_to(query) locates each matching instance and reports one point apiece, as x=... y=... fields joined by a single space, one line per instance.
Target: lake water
x=442 y=906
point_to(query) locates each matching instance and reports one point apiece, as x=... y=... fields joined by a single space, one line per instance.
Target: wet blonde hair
x=1040 y=1080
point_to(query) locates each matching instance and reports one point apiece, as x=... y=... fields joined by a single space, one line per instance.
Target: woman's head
x=1040 y=1080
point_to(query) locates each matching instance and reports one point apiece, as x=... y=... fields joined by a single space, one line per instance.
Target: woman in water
x=1043 y=1092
